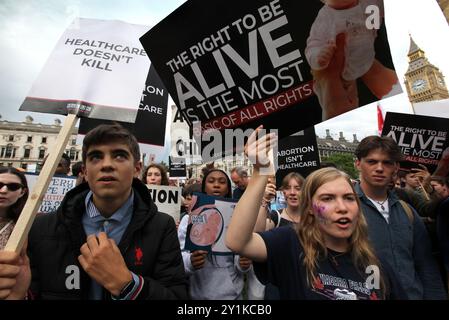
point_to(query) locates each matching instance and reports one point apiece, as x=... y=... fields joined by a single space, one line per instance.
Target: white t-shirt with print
x=382 y=207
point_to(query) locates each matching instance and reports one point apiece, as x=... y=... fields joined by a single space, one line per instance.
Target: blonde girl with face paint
x=332 y=220
x=327 y=255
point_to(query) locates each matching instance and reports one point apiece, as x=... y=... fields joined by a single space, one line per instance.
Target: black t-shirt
x=275 y=216
x=337 y=278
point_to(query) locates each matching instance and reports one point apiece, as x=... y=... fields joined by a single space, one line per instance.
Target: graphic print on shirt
x=337 y=288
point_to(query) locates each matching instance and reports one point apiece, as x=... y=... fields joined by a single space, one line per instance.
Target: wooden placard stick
x=26 y=218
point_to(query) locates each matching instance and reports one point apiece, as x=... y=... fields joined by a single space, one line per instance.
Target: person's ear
x=357 y=165
x=24 y=190
x=138 y=169
x=396 y=169
x=85 y=173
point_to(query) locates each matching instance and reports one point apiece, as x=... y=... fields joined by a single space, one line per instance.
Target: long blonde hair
x=312 y=239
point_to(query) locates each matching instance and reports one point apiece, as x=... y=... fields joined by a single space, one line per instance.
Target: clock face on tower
x=418 y=85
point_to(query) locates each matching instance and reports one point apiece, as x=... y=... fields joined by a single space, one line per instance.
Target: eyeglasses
x=13 y=186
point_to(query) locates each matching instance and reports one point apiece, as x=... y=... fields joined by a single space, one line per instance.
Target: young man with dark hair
x=395 y=230
x=107 y=240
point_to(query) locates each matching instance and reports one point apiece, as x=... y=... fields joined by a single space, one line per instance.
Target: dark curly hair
x=161 y=168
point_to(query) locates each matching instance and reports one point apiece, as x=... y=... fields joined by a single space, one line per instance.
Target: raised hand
x=270 y=192
x=258 y=146
x=422 y=174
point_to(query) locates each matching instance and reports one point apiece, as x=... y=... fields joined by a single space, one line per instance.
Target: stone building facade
x=25 y=144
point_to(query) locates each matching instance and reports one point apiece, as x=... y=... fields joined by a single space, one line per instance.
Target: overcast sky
x=29 y=29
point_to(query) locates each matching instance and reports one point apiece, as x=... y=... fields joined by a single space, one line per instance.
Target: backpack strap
x=408 y=211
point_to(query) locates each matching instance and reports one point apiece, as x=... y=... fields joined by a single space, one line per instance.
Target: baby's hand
x=326 y=54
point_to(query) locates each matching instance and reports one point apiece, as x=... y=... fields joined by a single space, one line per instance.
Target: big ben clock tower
x=424 y=81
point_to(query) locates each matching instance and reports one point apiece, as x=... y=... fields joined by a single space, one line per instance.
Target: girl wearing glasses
x=13 y=195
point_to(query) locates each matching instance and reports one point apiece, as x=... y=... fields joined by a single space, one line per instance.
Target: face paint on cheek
x=319 y=210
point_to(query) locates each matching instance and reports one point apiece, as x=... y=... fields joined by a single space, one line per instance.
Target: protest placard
x=149 y=126
x=422 y=139
x=177 y=167
x=59 y=186
x=97 y=68
x=182 y=142
x=297 y=153
x=167 y=199
x=243 y=64
x=208 y=222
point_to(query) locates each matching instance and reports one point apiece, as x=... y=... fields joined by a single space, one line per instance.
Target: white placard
x=97 y=67
x=167 y=199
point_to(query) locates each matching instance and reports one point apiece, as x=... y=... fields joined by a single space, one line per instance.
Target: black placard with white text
x=298 y=153
x=241 y=64
x=149 y=127
x=422 y=139
x=177 y=167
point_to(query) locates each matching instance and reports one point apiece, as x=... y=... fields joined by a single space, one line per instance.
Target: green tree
x=162 y=163
x=343 y=161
